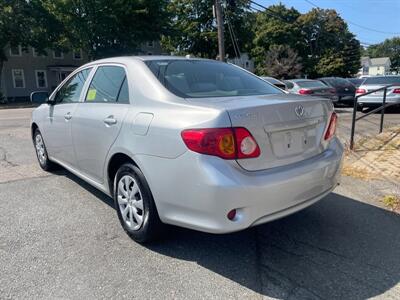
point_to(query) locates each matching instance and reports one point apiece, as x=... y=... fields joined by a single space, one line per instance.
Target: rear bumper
x=197 y=191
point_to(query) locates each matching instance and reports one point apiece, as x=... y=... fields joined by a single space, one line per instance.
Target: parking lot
x=60 y=238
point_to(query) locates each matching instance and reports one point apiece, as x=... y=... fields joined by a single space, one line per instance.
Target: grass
x=392 y=202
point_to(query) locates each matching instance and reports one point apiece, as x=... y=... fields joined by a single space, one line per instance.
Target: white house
x=380 y=66
x=374 y=66
x=243 y=61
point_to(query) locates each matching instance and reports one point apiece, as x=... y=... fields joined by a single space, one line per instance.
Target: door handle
x=68 y=116
x=110 y=121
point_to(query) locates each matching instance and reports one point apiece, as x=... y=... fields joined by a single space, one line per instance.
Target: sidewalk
x=376 y=160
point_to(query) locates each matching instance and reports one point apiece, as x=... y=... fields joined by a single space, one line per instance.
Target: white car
x=376 y=98
x=190 y=142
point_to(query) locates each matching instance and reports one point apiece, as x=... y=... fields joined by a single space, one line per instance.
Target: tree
x=194 y=32
x=275 y=26
x=104 y=28
x=390 y=48
x=23 y=23
x=325 y=33
x=282 y=62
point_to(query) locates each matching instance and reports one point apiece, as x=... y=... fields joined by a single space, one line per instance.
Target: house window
x=36 y=54
x=18 y=78
x=16 y=51
x=77 y=54
x=58 y=54
x=41 y=78
x=247 y=64
x=150 y=44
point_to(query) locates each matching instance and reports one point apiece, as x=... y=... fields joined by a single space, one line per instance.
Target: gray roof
x=380 y=61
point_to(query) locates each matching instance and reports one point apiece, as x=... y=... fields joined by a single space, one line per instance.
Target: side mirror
x=39 y=97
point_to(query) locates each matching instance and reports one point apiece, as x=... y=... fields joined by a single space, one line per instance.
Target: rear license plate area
x=293 y=142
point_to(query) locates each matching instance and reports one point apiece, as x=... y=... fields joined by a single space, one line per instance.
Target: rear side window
x=109 y=85
x=204 y=79
x=70 y=92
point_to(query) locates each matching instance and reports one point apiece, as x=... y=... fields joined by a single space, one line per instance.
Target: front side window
x=41 y=78
x=109 y=85
x=203 y=79
x=18 y=78
x=16 y=51
x=70 y=92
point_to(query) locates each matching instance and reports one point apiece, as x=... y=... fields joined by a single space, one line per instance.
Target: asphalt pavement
x=60 y=238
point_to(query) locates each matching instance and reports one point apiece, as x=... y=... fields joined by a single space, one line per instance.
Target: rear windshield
x=203 y=79
x=337 y=82
x=271 y=80
x=310 y=84
x=356 y=81
x=383 y=80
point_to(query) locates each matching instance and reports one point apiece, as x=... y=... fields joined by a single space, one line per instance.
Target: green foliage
x=278 y=27
x=314 y=35
x=390 y=48
x=194 y=31
x=105 y=28
x=282 y=62
x=325 y=33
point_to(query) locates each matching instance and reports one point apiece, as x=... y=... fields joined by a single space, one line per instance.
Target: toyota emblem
x=299 y=110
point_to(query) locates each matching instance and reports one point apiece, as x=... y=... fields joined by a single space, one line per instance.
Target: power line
x=270 y=12
x=355 y=24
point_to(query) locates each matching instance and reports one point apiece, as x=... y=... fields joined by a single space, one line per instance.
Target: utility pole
x=220 y=27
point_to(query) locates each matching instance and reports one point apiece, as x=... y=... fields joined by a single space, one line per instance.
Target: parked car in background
x=308 y=87
x=275 y=82
x=376 y=99
x=190 y=142
x=356 y=81
x=344 y=89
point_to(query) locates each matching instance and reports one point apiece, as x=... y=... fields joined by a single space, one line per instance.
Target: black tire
x=151 y=226
x=44 y=161
x=360 y=108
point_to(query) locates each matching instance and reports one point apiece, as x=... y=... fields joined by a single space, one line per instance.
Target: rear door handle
x=68 y=116
x=110 y=121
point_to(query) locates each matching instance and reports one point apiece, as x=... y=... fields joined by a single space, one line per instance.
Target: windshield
x=382 y=80
x=310 y=84
x=203 y=79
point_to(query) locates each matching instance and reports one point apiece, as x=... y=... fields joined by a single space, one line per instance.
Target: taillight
x=305 y=92
x=396 y=91
x=360 y=91
x=227 y=143
x=332 y=91
x=330 y=131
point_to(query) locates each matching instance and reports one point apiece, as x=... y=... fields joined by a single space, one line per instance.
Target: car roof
x=299 y=80
x=123 y=59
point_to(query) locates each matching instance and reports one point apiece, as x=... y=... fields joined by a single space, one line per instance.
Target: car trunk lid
x=287 y=128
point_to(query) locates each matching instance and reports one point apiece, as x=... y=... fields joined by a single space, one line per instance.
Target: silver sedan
x=190 y=142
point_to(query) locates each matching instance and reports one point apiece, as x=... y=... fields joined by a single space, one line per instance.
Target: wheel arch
x=116 y=160
x=34 y=126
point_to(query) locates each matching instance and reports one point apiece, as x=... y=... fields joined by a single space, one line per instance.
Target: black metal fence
x=380 y=108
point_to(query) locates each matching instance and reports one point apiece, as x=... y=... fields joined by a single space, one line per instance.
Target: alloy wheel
x=130 y=202
x=40 y=149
